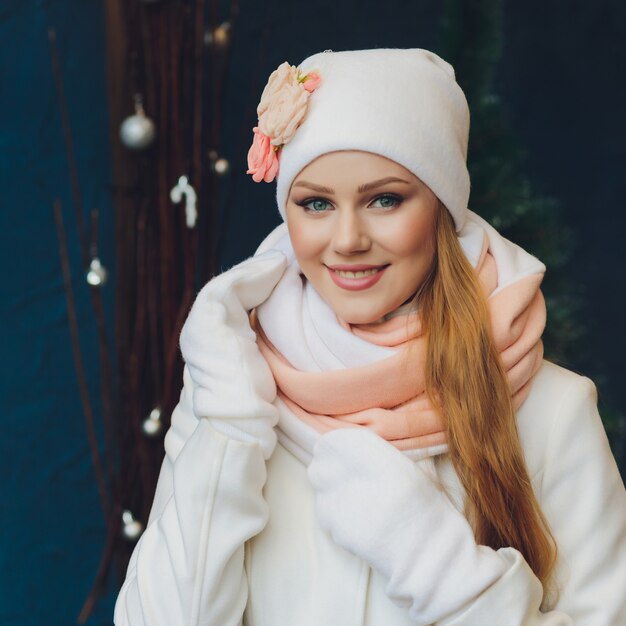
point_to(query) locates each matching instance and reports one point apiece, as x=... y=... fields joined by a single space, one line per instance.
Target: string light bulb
x=219 y=36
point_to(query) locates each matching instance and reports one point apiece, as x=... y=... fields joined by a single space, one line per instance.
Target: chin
x=360 y=317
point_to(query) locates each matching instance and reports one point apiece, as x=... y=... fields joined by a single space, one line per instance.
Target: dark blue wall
x=52 y=526
x=561 y=78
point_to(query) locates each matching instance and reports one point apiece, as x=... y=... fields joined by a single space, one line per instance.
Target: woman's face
x=353 y=211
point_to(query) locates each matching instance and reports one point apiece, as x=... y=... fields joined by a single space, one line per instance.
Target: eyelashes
x=397 y=200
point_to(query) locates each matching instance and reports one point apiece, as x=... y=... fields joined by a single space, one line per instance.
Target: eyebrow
x=361 y=189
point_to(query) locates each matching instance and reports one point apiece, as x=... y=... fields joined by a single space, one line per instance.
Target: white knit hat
x=403 y=104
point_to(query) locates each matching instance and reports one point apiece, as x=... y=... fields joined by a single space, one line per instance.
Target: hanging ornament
x=131 y=528
x=183 y=188
x=152 y=425
x=137 y=132
x=219 y=165
x=219 y=37
x=97 y=274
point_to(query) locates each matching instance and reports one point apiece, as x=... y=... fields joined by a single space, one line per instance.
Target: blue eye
x=318 y=204
x=394 y=199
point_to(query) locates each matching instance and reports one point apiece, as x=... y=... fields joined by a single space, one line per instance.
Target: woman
x=367 y=431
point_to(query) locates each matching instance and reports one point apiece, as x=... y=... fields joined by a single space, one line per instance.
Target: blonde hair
x=465 y=378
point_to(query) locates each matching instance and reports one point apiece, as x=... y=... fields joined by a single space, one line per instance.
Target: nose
x=350 y=233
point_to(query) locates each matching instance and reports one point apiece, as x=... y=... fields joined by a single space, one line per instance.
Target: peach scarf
x=331 y=374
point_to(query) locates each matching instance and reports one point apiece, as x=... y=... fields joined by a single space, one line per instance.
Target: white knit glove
x=381 y=506
x=233 y=384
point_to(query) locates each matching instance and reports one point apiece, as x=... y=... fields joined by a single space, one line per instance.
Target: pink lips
x=355 y=284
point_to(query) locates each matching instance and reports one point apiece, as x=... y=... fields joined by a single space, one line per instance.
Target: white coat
x=234 y=540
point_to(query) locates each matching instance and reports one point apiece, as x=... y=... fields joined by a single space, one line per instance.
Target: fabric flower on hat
x=281 y=110
x=262 y=158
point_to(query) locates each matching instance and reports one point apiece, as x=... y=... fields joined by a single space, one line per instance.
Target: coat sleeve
x=583 y=498
x=187 y=567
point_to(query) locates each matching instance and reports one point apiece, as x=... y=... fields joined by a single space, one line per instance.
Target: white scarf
x=303 y=327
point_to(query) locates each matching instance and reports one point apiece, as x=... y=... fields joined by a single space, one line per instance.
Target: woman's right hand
x=233 y=386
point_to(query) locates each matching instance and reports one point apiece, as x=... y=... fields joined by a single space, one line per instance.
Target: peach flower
x=281 y=110
x=285 y=74
x=262 y=158
x=284 y=113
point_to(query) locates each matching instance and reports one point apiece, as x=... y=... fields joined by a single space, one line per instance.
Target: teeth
x=359 y=274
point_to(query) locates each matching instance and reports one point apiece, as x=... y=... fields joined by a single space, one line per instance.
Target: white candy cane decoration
x=176 y=194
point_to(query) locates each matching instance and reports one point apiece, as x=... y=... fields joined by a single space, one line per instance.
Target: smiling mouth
x=359 y=274
x=359 y=271
x=358 y=279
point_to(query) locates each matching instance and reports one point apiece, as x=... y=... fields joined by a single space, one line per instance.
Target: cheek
x=305 y=241
x=413 y=236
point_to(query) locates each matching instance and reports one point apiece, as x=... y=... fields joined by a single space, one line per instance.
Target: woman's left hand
x=360 y=480
x=381 y=506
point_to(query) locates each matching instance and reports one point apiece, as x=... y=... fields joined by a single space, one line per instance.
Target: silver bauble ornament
x=131 y=528
x=137 y=131
x=97 y=274
x=221 y=166
x=152 y=425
